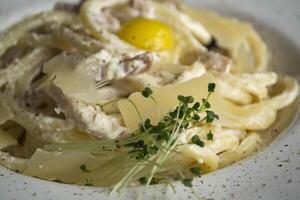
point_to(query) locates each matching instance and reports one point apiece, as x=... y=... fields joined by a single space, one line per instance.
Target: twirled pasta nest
x=66 y=76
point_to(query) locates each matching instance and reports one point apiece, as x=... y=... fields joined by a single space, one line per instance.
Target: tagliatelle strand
x=77 y=92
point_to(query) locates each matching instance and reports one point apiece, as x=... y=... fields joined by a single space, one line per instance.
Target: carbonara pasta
x=83 y=87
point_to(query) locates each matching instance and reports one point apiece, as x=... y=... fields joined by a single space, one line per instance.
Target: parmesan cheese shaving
x=5 y=113
x=6 y=140
x=69 y=76
x=137 y=106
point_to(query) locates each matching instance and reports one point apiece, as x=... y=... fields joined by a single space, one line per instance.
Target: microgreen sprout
x=147 y=92
x=195 y=170
x=211 y=87
x=196 y=140
x=143 y=180
x=147 y=150
x=210 y=116
x=84 y=169
x=205 y=103
x=187 y=182
x=154 y=181
x=210 y=136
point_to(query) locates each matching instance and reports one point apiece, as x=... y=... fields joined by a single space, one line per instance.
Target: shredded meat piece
x=145 y=59
x=215 y=61
x=38 y=102
x=139 y=5
x=70 y=7
x=102 y=66
x=118 y=13
x=87 y=118
x=111 y=67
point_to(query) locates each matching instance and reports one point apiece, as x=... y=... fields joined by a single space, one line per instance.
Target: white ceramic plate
x=271 y=174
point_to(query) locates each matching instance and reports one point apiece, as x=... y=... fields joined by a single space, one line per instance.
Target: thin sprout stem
x=172 y=187
x=163 y=158
x=175 y=143
x=160 y=145
x=125 y=180
x=121 y=183
x=175 y=127
x=202 y=106
x=137 y=110
x=180 y=173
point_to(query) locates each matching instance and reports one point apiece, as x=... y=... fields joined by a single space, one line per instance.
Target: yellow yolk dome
x=148 y=34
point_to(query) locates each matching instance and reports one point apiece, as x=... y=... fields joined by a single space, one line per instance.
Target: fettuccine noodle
x=74 y=76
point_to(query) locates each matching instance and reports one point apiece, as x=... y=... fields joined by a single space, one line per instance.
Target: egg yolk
x=148 y=34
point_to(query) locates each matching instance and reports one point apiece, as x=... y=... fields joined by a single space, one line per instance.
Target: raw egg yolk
x=148 y=34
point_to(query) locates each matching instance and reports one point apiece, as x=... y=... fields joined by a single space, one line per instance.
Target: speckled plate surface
x=273 y=173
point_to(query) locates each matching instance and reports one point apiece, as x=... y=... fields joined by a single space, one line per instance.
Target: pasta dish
x=116 y=93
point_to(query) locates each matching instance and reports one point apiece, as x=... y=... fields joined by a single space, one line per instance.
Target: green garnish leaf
x=196 y=140
x=84 y=169
x=196 y=170
x=148 y=124
x=185 y=100
x=154 y=181
x=189 y=99
x=181 y=98
x=211 y=87
x=210 y=136
x=187 y=182
x=147 y=92
x=153 y=150
x=139 y=144
x=184 y=108
x=143 y=180
x=142 y=129
x=173 y=114
x=140 y=156
x=196 y=117
x=166 y=135
x=156 y=129
x=210 y=116
x=89 y=184
x=205 y=103
x=196 y=106
x=145 y=150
